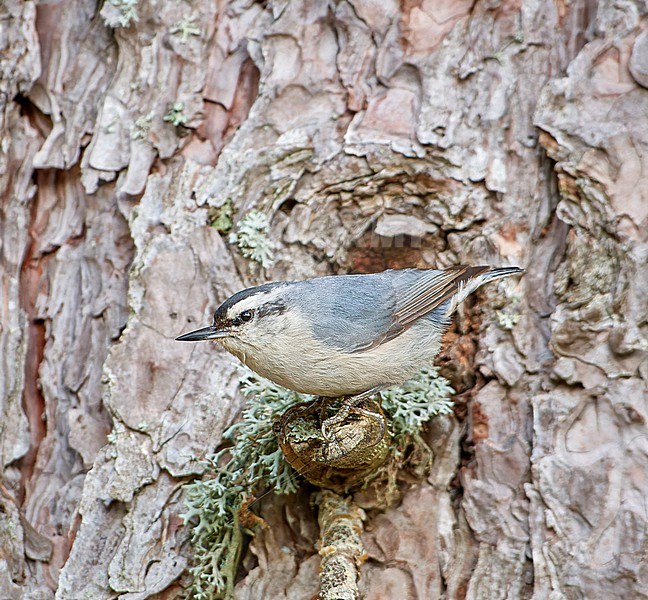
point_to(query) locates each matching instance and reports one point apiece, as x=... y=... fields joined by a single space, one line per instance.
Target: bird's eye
x=244 y=317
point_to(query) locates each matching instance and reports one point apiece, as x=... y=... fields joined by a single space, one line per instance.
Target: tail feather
x=468 y=286
x=501 y=272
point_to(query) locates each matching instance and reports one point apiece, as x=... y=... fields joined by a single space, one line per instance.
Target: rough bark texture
x=374 y=134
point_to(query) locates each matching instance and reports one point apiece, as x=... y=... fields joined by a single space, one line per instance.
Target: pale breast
x=309 y=366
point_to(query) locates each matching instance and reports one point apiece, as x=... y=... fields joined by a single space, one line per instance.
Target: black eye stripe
x=272 y=308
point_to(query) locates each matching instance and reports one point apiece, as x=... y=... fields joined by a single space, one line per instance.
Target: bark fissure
x=414 y=134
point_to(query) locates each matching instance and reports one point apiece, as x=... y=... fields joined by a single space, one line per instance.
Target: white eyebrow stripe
x=252 y=302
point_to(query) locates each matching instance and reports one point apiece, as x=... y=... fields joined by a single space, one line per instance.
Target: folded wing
x=416 y=298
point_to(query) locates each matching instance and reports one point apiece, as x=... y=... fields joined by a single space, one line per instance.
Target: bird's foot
x=350 y=405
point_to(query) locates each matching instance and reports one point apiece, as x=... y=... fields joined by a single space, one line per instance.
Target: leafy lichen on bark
x=372 y=137
x=214 y=504
x=278 y=422
x=251 y=237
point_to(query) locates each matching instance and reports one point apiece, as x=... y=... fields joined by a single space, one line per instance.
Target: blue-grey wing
x=358 y=312
x=418 y=293
x=347 y=312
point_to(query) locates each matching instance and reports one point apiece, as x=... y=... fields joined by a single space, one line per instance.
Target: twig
x=340 y=546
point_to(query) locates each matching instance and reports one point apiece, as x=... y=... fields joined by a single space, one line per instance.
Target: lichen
x=413 y=404
x=508 y=319
x=110 y=127
x=186 y=27
x=252 y=239
x=126 y=13
x=214 y=505
x=141 y=127
x=510 y=314
x=176 y=115
x=221 y=217
x=217 y=505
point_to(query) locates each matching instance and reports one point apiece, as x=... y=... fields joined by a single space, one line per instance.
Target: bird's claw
x=350 y=405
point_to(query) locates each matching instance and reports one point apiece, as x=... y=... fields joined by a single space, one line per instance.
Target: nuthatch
x=344 y=335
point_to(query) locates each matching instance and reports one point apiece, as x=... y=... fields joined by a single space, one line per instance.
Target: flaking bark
x=372 y=135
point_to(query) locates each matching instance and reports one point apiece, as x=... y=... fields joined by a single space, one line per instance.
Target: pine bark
x=374 y=135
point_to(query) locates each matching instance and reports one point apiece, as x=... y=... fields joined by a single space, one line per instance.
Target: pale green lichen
x=127 y=13
x=252 y=238
x=254 y=462
x=508 y=319
x=141 y=127
x=222 y=218
x=510 y=314
x=518 y=38
x=176 y=115
x=413 y=404
x=186 y=27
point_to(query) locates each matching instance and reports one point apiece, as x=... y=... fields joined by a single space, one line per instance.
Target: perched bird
x=344 y=335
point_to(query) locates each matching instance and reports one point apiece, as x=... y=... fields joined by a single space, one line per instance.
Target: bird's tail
x=500 y=272
x=482 y=275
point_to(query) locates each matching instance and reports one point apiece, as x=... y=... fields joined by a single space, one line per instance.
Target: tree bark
x=373 y=135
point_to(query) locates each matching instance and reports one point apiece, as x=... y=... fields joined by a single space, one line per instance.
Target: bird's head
x=245 y=319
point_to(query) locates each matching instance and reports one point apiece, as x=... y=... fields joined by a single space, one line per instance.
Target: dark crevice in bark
x=33 y=400
x=36 y=117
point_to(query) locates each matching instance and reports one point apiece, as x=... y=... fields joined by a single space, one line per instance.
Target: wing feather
x=419 y=299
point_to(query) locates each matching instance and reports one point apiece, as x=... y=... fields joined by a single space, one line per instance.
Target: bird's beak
x=201 y=335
